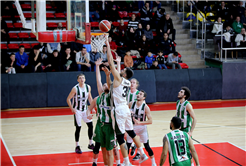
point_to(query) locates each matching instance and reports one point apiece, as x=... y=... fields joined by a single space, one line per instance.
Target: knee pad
x=120 y=139
x=131 y=133
x=148 y=149
x=96 y=148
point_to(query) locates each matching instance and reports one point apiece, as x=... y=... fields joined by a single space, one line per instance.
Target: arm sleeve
x=59 y=47
x=49 y=49
x=77 y=57
x=17 y=61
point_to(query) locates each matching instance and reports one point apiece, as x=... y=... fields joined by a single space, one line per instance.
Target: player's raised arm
x=192 y=114
x=98 y=76
x=115 y=73
x=70 y=96
x=108 y=79
x=118 y=60
x=164 y=151
x=193 y=151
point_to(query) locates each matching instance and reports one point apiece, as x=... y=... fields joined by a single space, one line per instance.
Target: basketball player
x=185 y=111
x=140 y=111
x=122 y=114
x=179 y=145
x=104 y=133
x=80 y=93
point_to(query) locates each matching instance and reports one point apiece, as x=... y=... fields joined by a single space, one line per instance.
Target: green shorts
x=97 y=132
x=187 y=129
x=183 y=163
x=107 y=136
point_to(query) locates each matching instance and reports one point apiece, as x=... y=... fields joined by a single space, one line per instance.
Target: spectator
x=166 y=26
x=83 y=60
x=205 y=7
x=53 y=62
x=217 y=26
x=60 y=27
x=165 y=43
x=10 y=64
x=94 y=55
x=128 y=61
x=237 y=25
x=113 y=14
x=148 y=33
x=161 y=60
x=129 y=5
x=8 y=10
x=53 y=46
x=223 y=11
x=172 y=60
x=35 y=60
x=241 y=41
x=113 y=31
x=130 y=39
x=43 y=48
x=146 y=14
x=149 y=60
x=143 y=46
x=153 y=4
x=21 y=61
x=103 y=55
x=133 y=22
x=154 y=65
x=113 y=47
x=243 y=19
x=4 y=31
x=93 y=6
x=158 y=16
x=139 y=32
x=68 y=60
x=240 y=9
x=122 y=27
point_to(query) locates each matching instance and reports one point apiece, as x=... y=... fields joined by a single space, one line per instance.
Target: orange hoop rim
x=98 y=34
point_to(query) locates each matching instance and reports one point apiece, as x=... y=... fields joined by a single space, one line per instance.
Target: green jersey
x=131 y=96
x=184 y=115
x=104 y=108
x=178 y=147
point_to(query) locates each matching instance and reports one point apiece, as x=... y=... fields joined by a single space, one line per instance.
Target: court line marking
x=237 y=146
x=10 y=156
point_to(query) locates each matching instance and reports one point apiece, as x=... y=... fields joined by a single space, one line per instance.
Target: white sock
x=77 y=144
x=192 y=164
x=153 y=160
x=126 y=160
x=90 y=141
x=117 y=162
x=132 y=144
x=141 y=151
x=95 y=160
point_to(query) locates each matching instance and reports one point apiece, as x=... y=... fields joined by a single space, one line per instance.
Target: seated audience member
x=241 y=41
x=122 y=27
x=146 y=14
x=113 y=47
x=240 y=9
x=130 y=39
x=59 y=27
x=35 y=60
x=4 y=31
x=153 y=4
x=8 y=10
x=83 y=60
x=217 y=28
x=68 y=60
x=53 y=46
x=165 y=43
x=10 y=64
x=161 y=60
x=154 y=65
x=128 y=61
x=143 y=46
x=166 y=26
x=133 y=22
x=243 y=19
x=139 y=32
x=21 y=61
x=223 y=11
x=113 y=31
x=113 y=13
x=237 y=25
x=94 y=55
x=158 y=16
x=103 y=55
x=53 y=62
x=149 y=60
x=93 y=6
x=43 y=48
x=173 y=60
x=148 y=33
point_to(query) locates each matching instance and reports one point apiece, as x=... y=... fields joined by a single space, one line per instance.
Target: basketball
x=104 y=26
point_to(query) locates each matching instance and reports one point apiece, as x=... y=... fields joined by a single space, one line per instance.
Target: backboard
x=78 y=19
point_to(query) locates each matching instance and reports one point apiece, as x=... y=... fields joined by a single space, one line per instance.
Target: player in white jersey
x=80 y=93
x=179 y=145
x=122 y=114
x=140 y=111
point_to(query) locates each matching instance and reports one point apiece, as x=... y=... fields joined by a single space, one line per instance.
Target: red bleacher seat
x=23 y=35
x=94 y=24
x=4 y=46
x=26 y=45
x=122 y=14
x=184 y=65
x=48 y=6
x=13 y=35
x=27 y=15
x=64 y=24
x=32 y=35
x=60 y=15
x=116 y=24
x=154 y=33
x=10 y=25
x=13 y=5
x=34 y=44
x=13 y=46
x=18 y=25
x=25 y=6
x=17 y=16
x=50 y=15
x=126 y=23
x=51 y=24
x=6 y=16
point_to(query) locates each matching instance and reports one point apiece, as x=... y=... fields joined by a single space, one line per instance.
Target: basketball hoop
x=98 y=40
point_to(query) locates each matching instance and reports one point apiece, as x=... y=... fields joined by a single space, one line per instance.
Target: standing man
x=179 y=145
x=122 y=115
x=80 y=93
x=140 y=111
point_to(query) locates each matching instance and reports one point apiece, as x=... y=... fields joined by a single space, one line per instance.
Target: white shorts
x=79 y=116
x=122 y=120
x=141 y=131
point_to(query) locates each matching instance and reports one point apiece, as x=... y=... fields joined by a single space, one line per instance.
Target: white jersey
x=80 y=98
x=120 y=92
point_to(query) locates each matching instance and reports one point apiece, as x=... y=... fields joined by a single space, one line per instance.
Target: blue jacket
x=149 y=60
x=94 y=57
x=21 y=59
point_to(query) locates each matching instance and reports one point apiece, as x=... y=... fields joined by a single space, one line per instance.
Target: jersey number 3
x=125 y=89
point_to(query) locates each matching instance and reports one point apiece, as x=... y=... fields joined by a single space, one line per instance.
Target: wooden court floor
x=55 y=134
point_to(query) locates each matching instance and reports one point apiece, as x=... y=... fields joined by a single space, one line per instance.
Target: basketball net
x=98 y=41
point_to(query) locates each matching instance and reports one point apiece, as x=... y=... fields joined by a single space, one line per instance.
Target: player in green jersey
x=179 y=145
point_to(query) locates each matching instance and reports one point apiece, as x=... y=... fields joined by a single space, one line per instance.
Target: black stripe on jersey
x=143 y=116
x=133 y=104
x=136 y=114
x=78 y=98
